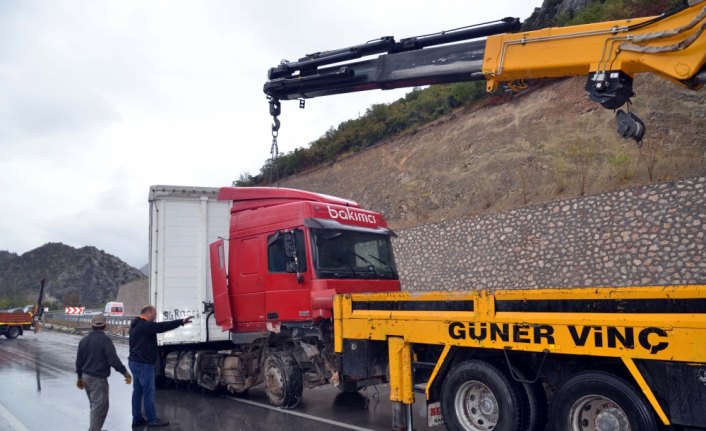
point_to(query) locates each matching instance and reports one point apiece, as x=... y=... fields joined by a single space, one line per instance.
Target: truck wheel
x=283 y=380
x=347 y=386
x=536 y=402
x=597 y=400
x=477 y=396
x=13 y=332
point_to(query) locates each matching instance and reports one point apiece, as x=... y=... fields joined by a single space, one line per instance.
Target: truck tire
x=478 y=396
x=348 y=387
x=536 y=402
x=13 y=332
x=594 y=398
x=283 y=380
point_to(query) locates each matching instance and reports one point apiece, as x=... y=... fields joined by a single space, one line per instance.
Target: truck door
x=246 y=280
x=287 y=295
x=219 y=283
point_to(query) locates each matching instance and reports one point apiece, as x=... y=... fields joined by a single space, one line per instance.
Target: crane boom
x=672 y=46
x=414 y=61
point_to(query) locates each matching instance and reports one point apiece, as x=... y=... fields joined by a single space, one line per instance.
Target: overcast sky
x=99 y=100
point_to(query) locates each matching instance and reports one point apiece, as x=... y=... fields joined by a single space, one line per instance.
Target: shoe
x=139 y=423
x=157 y=423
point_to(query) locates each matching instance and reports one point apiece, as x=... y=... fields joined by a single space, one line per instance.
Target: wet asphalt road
x=37 y=392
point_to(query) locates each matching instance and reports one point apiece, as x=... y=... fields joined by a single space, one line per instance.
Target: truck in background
x=263 y=299
x=13 y=323
x=114 y=309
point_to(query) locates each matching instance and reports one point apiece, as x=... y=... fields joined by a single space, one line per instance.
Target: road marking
x=300 y=414
x=13 y=423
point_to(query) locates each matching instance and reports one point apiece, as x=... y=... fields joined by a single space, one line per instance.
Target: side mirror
x=290 y=245
x=290 y=250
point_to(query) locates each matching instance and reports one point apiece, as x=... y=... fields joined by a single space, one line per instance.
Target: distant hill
x=83 y=276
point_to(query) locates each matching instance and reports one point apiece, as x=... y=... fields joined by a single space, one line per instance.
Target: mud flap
x=434 y=415
x=219 y=282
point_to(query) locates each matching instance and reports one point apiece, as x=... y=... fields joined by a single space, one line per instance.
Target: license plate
x=434 y=416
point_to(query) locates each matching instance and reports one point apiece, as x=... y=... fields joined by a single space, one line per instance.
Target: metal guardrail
x=86 y=318
x=117 y=325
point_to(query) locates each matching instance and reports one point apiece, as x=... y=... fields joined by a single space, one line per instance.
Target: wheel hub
x=476 y=406
x=598 y=413
x=273 y=382
x=611 y=419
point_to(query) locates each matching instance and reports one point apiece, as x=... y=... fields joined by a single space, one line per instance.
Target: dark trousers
x=142 y=390
x=97 y=391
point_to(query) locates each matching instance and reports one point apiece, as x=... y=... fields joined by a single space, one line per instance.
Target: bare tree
x=527 y=171
x=583 y=158
x=648 y=154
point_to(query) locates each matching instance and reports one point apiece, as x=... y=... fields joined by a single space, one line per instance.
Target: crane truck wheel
x=536 y=402
x=477 y=396
x=13 y=332
x=283 y=380
x=597 y=400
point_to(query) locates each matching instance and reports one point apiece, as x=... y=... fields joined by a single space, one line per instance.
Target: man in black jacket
x=96 y=354
x=142 y=360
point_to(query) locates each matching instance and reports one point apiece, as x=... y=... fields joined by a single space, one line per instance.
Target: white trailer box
x=184 y=220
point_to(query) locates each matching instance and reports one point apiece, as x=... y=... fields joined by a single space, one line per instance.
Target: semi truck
x=276 y=277
x=267 y=319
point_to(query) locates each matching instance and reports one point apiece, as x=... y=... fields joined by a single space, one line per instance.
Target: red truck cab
x=290 y=251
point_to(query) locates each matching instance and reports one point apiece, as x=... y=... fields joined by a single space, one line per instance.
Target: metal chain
x=275 y=110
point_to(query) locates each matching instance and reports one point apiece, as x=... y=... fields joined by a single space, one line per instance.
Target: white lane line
x=12 y=422
x=300 y=414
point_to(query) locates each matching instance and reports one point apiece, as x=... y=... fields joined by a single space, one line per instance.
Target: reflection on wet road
x=38 y=392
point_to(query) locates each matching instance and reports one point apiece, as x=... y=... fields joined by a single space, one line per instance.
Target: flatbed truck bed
x=614 y=358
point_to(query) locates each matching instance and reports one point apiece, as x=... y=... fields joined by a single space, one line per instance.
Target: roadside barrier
x=116 y=325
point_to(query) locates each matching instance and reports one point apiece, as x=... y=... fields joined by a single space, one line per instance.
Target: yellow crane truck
x=580 y=359
x=624 y=358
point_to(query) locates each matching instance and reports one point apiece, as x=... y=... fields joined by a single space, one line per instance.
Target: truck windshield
x=352 y=254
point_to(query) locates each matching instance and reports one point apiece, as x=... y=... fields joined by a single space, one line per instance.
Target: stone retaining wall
x=650 y=235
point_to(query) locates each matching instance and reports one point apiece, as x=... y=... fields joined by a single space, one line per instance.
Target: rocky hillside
x=566 y=12
x=550 y=142
x=85 y=276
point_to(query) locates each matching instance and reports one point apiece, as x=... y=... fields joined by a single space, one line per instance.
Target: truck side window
x=276 y=256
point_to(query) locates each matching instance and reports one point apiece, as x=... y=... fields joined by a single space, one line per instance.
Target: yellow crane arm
x=672 y=46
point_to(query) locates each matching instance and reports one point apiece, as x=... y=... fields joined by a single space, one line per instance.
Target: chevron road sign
x=75 y=310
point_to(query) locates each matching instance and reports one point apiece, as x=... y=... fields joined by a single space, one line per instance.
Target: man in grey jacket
x=96 y=355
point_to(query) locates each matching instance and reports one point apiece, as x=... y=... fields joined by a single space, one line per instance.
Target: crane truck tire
x=596 y=400
x=536 y=401
x=13 y=332
x=477 y=396
x=283 y=380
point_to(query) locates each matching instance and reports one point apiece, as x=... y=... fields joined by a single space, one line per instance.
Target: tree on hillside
x=649 y=155
x=583 y=157
x=380 y=122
